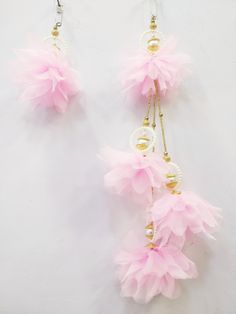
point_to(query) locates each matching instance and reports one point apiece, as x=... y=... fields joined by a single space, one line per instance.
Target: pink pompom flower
x=45 y=77
x=179 y=215
x=135 y=175
x=145 y=273
x=165 y=66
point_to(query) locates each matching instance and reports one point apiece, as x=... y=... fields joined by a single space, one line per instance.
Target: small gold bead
x=166 y=157
x=146 y=122
x=153 y=48
x=171 y=185
x=153 y=26
x=151 y=246
x=55 y=33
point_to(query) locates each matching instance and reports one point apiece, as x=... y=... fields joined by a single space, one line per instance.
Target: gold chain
x=146 y=121
x=163 y=135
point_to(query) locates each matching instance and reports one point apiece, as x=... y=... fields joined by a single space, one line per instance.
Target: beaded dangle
x=154 y=266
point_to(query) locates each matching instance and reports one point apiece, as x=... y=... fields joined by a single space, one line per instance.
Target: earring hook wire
x=59 y=13
x=153 y=5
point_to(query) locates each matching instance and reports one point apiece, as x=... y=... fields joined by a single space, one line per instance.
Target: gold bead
x=151 y=246
x=55 y=33
x=146 y=122
x=143 y=142
x=153 y=48
x=153 y=25
x=167 y=157
x=171 y=185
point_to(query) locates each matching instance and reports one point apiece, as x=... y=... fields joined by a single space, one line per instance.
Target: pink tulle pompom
x=177 y=215
x=165 y=66
x=145 y=273
x=45 y=77
x=134 y=175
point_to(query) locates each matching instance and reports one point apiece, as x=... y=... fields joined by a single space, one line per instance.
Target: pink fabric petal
x=45 y=77
x=134 y=175
x=176 y=215
x=150 y=272
x=141 y=182
x=166 y=66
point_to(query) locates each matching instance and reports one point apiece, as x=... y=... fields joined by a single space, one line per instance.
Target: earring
x=155 y=263
x=43 y=72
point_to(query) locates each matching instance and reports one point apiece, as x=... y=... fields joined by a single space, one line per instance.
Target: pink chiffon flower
x=166 y=67
x=145 y=273
x=179 y=215
x=45 y=77
x=135 y=175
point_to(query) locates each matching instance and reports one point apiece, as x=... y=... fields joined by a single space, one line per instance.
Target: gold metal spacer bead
x=166 y=157
x=146 y=122
x=151 y=246
x=55 y=31
x=171 y=185
x=176 y=192
x=153 y=24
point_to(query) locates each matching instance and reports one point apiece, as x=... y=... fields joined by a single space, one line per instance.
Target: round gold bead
x=55 y=33
x=153 y=26
x=166 y=157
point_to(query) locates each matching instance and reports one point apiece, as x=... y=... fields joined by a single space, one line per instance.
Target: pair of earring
x=153 y=263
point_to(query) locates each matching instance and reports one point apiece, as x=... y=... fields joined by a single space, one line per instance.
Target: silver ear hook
x=153 y=6
x=54 y=39
x=59 y=14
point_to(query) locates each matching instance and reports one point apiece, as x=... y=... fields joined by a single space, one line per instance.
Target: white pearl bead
x=149 y=232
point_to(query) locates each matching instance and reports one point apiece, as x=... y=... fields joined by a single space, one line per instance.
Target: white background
x=58 y=226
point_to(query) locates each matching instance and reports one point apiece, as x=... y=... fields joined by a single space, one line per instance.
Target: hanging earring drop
x=157 y=263
x=43 y=72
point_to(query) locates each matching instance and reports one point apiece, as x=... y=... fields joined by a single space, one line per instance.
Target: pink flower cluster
x=166 y=67
x=149 y=271
x=45 y=77
x=145 y=273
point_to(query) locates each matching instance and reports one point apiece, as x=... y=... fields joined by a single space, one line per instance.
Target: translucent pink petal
x=45 y=77
x=176 y=215
x=166 y=66
x=151 y=272
x=134 y=175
